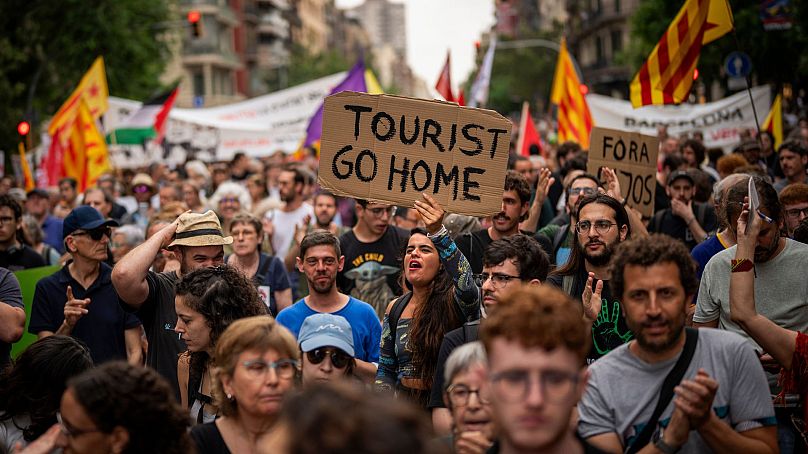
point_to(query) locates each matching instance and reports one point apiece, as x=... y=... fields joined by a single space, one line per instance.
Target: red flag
x=444 y=84
x=461 y=98
x=527 y=133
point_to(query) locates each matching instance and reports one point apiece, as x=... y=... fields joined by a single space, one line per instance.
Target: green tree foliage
x=777 y=56
x=47 y=45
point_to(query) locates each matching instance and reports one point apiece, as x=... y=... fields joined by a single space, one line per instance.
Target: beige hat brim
x=203 y=240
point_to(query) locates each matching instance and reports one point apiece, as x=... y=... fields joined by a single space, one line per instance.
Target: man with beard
x=282 y=221
x=721 y=404
x=686 y=219
x=779 y=262
x=320 y=260
x=602 y=223
x=793 y=161
x=515 y=205
x=507 y=264
x=197 y=242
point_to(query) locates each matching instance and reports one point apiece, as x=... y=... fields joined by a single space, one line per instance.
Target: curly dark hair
x=138 y=399
x=432 y=320
x=318 y=422
x=10 y=202
x=515 y=181
x=34 y=384
x=221 y=295
x=525 y=251
x=652 y=250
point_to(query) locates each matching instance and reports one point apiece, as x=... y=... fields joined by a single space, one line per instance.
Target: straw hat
x=200 y=230
x=143 y=179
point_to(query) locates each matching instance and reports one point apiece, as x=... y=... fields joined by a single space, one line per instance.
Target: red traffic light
x=583 y=89
x=194 y=16
x=23 y=128
x=695 y=73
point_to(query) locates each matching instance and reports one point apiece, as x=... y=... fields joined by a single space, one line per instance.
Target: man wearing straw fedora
x=196 y=240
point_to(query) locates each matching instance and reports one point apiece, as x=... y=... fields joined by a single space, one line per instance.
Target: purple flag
x=354 y=81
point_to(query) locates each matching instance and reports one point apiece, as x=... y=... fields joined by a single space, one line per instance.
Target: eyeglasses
x=602 y=227
x=258 y=368
x=379 y=212
x=70 y=431
x=459 y=395
x=95 y=234
x=499 y=279
x=229 y=200
x=792 y=213
x=514 y=385
x=6 y=220
x=585 y=191
x=339 y=358
x=141 y=188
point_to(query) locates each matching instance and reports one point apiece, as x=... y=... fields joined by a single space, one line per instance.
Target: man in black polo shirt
x=14 y=255
x=507 y=264
x=685 y=220
x=79 y=300
x=196 y=240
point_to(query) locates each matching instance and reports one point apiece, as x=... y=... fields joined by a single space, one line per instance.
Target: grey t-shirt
x=781 y=290
x=623 y=390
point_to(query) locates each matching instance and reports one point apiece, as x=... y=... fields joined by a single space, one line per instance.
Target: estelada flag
x=86 y=157
x=774 y=121
x=667 y=75
x=527 y=133
x=444 y=83
x=574 y=118
x=92 y=89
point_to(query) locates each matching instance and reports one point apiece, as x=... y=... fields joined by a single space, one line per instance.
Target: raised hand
x=748 y=239
x=167 y=232
x=471 y=443
x=42 y=445
x=301 y=229
x=695 y=398
x=543 y=184
x=613 y=189
x=591 y=298
x=431 y=212
x=683 y=210
x=75 y=308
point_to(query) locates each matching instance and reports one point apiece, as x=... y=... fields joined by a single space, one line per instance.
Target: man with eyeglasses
x=80 y=301
x=536 y=344
x=721 y=403
x=372 y=248
x=558 y=232
x=602 y=224
x=507 y=264
x=14 y=255
x=320 y=260
x=686 y=219
x=794 y=198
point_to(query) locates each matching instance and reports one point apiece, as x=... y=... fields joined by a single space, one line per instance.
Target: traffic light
x=195 y=20
x=23 y=128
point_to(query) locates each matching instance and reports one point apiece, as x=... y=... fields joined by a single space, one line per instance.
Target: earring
x=229 y=396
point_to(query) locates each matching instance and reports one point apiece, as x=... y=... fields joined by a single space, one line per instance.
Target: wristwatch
x=666 y=448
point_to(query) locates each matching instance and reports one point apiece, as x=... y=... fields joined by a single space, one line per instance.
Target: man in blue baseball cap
x=326 y=341
x=80 y=301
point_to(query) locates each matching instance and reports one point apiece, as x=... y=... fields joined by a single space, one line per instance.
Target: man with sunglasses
x=719 y=403
x=326 y=341
x=508 y=263
x=80 y=301
x=372 y=249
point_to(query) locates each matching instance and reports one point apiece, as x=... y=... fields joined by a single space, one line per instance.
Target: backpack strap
x=468 y=331
x=567 y=283
x=396 y=311
x=559 y=238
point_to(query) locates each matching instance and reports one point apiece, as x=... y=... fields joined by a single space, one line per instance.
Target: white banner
x=259 y=127
x=719 y=121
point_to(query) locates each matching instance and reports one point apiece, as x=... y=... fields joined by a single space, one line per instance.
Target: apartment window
x=617 y=41
x=599 y=57
x=616 y=6
x=199 y=83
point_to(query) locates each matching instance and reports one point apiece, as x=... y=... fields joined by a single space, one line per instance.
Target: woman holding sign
x=442 y=297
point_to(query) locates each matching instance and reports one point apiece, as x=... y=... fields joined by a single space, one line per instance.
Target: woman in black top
x=257 y=362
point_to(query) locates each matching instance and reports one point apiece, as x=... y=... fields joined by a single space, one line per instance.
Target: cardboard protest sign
x=390 y=149
x=633 y=157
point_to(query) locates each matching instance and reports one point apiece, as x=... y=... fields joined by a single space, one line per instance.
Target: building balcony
x=216 y=8
x=207 y=53
x=273 y=24
x=282 y=5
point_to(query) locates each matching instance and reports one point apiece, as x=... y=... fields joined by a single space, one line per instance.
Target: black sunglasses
x=95 y=234
x=339 y=358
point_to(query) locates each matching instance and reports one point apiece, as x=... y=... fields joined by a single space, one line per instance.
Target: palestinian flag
x=147 y=123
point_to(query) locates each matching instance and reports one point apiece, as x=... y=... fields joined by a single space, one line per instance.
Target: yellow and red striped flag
x=85 y=157
x=92 y=89
x=774 y=121
x=574 y=119
x=667 y=74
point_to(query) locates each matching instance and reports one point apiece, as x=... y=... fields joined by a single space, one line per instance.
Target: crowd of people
x=238 y=307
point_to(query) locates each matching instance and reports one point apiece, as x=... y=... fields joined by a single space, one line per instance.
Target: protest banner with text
x=633 y=157
x=391 y=149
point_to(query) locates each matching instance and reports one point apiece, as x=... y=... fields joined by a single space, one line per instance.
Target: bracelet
x=442 y=231
x=741 y=265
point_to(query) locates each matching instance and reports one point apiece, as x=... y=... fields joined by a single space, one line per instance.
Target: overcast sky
x=435 y=26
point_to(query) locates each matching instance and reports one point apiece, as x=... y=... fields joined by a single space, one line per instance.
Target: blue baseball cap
x=84 y=217
x=326 y=330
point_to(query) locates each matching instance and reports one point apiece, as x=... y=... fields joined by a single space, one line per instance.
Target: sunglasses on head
x=95 y=234
x=339 y=358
